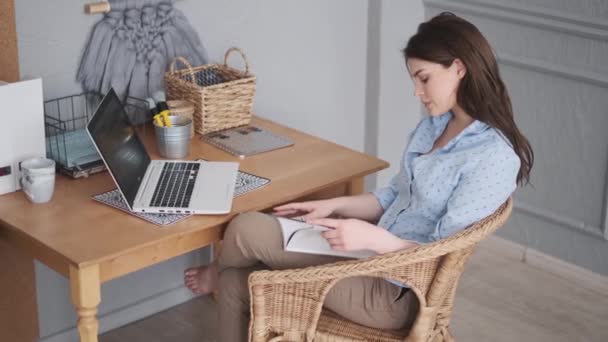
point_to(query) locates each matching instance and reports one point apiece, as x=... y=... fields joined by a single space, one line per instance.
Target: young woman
x=461 y=163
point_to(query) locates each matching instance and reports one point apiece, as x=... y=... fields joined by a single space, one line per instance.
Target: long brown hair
x=481 y=92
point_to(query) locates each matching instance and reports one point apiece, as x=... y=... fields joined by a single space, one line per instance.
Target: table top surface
x=81 y=231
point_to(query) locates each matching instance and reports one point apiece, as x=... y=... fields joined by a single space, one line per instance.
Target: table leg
x=18 y=313
x=86 y=295
x=356 y=186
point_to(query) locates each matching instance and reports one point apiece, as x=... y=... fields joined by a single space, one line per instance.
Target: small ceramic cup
x=38 y=179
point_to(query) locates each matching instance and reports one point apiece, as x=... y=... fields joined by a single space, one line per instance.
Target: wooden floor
x=499 y=299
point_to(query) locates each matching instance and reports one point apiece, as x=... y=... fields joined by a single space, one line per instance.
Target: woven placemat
x=245 y=183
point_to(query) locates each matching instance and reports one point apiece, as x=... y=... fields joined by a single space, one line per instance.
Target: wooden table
x=91 y=243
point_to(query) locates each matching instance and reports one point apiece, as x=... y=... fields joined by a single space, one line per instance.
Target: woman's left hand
x=354 y=234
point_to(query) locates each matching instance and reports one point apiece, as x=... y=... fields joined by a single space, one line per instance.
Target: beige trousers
x=253 y=241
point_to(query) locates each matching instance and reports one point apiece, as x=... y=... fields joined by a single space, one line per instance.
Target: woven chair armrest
x=380 y=265
x=377 y=266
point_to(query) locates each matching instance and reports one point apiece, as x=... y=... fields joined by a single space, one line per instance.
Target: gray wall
x=399 y=110
x=553 y=58
x=310 y=59
x=309 y=56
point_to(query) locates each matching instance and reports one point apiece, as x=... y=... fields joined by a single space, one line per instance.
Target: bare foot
x=201 y=280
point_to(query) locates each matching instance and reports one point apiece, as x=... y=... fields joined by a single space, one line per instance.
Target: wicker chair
x=287 y=305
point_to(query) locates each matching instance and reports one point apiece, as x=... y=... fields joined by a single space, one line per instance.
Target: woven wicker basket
x=222 y=96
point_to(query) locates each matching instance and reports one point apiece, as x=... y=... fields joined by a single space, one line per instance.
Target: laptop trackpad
x=216 y=189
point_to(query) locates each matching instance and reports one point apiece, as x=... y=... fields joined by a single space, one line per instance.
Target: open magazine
x=299 y=236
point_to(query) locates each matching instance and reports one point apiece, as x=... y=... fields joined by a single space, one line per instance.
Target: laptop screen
x=122 y=151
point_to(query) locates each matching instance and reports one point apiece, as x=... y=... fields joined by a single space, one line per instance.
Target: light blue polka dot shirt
x=436 y=195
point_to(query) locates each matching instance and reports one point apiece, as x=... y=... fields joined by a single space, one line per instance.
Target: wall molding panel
x=543 y=12
x=554 y=64
x=537 y=65
x=552 y=216
x=527 y=15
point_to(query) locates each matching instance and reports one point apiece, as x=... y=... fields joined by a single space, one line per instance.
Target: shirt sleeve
x=479 y=192
x=387 y=194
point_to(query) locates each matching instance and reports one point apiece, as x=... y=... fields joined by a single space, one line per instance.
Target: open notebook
x=299 y=236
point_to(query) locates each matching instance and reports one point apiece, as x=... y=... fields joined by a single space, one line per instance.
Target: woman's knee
x=250 y=226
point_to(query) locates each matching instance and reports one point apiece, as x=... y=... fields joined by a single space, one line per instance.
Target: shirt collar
x=423 y=141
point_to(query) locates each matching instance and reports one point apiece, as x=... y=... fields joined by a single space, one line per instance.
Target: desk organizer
x=67 y=141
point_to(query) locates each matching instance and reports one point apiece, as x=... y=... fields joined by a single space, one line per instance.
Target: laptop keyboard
x=175 y=186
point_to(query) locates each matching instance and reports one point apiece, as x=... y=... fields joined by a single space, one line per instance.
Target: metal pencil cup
x=174 y=142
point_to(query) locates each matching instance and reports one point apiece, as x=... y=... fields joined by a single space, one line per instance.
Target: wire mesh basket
x=67 y=141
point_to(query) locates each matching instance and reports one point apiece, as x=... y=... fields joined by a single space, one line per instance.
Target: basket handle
x=184 y=62
x=246 y=72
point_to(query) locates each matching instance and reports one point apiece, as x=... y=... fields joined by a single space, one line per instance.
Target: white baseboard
x=129 y=314
x=580 y=276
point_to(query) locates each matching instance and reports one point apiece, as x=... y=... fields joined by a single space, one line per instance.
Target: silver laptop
x=157 y=186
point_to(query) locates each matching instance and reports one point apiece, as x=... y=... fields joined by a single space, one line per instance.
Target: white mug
x=38 y=179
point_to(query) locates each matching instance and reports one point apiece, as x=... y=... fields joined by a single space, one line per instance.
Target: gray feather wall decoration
x=130 y=48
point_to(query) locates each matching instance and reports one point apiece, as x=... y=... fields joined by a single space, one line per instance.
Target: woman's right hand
x=308 y=210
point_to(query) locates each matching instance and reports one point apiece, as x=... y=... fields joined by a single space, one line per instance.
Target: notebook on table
x=246 y=140
x=157 y=186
